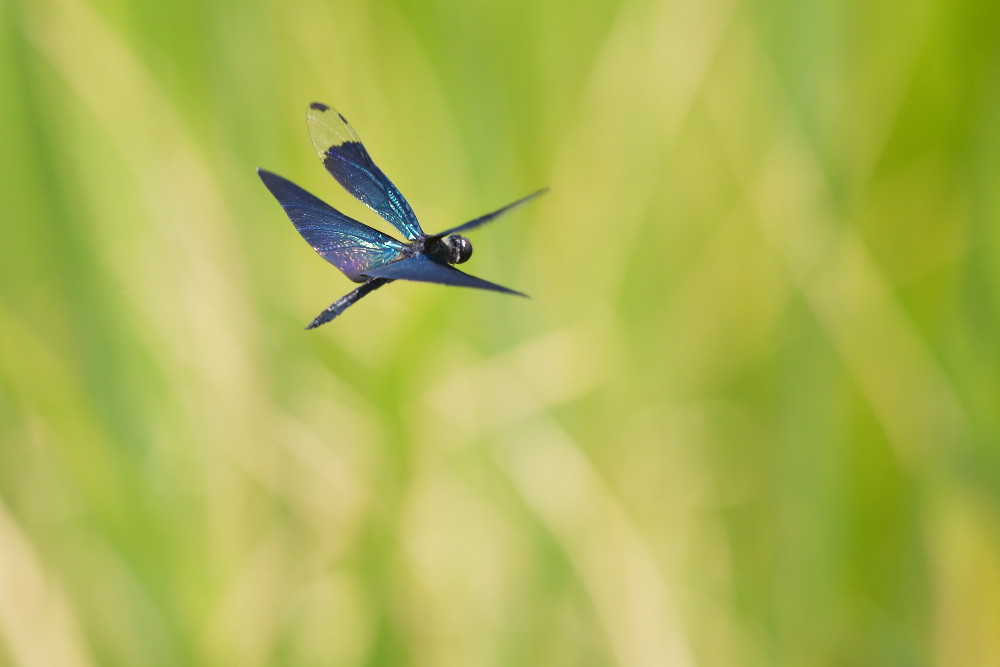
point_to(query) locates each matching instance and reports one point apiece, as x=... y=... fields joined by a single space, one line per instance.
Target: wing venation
x=345 y=157
x=351 y=246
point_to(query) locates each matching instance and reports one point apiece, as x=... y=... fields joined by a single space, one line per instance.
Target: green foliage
x=749 y=416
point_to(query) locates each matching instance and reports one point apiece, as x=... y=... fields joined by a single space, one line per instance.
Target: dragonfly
x=363 y=254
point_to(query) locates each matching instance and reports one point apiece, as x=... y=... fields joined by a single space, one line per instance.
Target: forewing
x=351 y=246
x=346 y=159
x=423 y=269
x=483 y=219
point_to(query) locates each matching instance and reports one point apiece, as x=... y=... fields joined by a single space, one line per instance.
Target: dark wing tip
x=319 y=106
x=270 y=179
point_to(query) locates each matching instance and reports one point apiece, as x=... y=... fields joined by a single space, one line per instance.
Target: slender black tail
x=346 y=301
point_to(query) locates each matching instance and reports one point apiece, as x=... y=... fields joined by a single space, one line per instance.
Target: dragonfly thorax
x=454 y=249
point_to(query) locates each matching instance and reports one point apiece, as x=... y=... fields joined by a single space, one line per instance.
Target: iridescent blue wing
x=423 y=269
x=349 y=245
x=347 y=160
x=483 y=219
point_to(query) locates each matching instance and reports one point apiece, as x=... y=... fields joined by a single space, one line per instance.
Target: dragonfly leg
x=344 y=302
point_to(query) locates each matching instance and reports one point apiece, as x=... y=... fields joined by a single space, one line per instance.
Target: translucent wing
x=423 y=269
x=483 y=219
x=351 y=246
x=347 y=160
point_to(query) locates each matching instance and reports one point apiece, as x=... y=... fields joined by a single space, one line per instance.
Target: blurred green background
x=749 y=417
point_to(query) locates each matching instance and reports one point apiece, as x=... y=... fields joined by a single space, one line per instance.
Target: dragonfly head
x=459 y=249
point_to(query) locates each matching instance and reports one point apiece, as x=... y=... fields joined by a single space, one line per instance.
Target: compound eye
x=460 y=249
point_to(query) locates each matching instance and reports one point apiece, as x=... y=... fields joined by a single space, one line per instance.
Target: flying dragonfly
x=363 y=254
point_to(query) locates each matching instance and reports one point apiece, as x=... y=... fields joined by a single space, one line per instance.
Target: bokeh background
x=749 y=417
